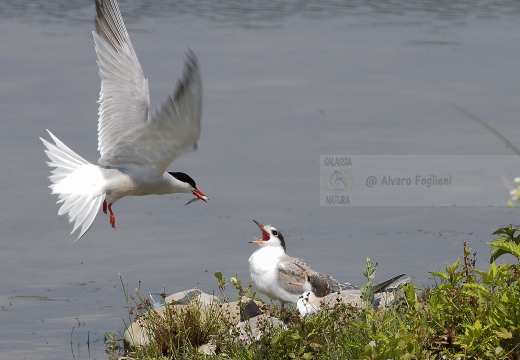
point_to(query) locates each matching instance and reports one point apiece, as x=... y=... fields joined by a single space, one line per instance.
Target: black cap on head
x=280 y=237
x=184 y=178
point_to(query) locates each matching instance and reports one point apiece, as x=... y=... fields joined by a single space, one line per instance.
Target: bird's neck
x=271 y=251
x=266 y=257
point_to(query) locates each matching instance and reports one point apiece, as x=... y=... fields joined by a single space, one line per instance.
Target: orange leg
x=112 y=216
x=105 y=206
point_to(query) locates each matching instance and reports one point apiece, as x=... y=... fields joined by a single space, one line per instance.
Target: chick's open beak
x=265 y=234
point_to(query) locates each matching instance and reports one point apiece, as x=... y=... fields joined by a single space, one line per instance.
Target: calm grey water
x=284 y=82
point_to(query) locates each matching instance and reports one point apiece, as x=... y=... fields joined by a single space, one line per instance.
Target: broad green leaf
x=440 y=274
x=504 y=248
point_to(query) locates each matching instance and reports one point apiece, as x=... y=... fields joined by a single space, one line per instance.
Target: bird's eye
x=275 y=233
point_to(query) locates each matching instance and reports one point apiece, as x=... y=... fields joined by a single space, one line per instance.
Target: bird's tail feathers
x=77 y=184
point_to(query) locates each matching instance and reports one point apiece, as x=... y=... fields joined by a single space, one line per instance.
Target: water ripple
x=251 y=12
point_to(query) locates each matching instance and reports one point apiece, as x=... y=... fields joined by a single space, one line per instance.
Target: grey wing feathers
x=173 y=129
x=321 y=283
x=336 y=285
x=124 y=97
x=325 y=284
x=291 y=273
x=110 y=25
x=388 y=292
x=127 y=134
x=183 y=108
x=386 y=284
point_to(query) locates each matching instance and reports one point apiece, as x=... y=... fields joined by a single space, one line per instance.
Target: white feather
x=77 y=183
x=136 y=147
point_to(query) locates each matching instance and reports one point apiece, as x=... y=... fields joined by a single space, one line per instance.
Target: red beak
x=199 y=194
x=265 y=234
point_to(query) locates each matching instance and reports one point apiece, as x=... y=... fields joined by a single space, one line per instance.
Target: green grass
x=468 y=314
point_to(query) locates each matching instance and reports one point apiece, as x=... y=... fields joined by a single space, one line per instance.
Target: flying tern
x=136 y=146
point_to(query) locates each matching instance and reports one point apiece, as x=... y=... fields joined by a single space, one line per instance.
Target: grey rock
x=137 y=334
x=253 y=329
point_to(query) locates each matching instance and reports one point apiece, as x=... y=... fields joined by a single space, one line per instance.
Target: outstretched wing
x=127 y=134
x=124 y=98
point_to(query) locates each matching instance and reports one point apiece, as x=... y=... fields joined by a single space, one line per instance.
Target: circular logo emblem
x=337 y=181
